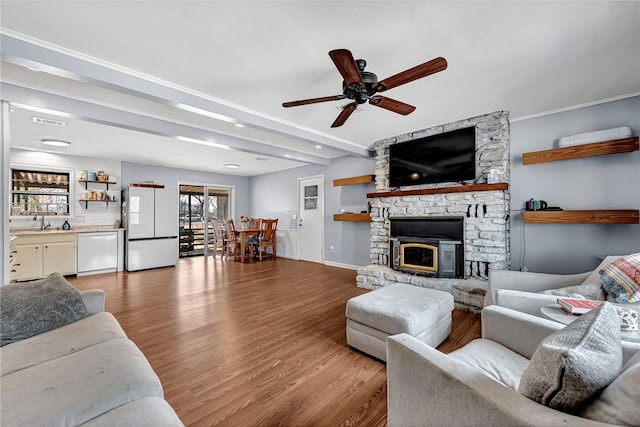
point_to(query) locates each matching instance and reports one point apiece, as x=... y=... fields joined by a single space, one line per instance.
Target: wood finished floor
x=255 y=344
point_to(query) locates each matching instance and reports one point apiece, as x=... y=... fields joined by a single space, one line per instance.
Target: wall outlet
x=79 y=219
x=331 y=249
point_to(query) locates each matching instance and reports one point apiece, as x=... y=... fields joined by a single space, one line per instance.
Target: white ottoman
x=422 y=313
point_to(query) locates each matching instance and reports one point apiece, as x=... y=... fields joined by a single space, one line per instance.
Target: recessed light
x=239 y=125
x=262 y=159
x=318 y=146
x=231 y=165
x=56 y=142
x=44 y=120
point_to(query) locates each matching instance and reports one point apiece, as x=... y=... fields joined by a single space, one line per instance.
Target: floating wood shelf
x=362 y=179
x=624 y=145
x=441 y=190
x=626 y=216
x=353 y=217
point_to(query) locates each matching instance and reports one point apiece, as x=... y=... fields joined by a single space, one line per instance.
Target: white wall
x=607 y=182
x=94 y=213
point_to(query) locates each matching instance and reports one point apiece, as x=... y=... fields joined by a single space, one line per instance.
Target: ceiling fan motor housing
x=357 y=93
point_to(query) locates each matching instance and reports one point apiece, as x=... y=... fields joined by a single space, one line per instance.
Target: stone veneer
x=485 y=214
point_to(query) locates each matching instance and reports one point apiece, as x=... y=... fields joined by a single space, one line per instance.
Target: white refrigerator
x=150 y=217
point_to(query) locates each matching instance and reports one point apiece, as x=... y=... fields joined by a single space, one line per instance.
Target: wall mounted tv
x=447 y=157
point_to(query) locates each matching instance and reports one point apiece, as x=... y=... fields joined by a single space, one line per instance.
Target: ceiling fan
x=361 y=86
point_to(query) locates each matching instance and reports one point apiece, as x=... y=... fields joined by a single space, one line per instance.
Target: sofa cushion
x=618 y=403
x=621 y=278
x=150 y=411
x=587 y=290
x=76 y=388
x=572 y=365
x=493 y=360
x=68 y=339
x=28 y=309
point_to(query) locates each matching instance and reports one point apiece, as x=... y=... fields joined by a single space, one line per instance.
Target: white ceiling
x=245 y=58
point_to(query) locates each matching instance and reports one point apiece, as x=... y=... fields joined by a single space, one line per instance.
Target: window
x=310 y=197
x=39 y=193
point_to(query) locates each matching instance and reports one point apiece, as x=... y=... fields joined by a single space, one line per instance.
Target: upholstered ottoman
x=422 y=313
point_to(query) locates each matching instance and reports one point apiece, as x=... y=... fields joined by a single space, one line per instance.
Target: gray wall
x=607 y=182
x=169 y=177
x=276 y=195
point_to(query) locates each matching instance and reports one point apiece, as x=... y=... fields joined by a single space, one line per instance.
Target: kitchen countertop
x=24 y=231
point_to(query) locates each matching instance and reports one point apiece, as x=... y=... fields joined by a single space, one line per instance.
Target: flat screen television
x=447 y=157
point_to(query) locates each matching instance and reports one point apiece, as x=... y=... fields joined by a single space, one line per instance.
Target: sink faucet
x=42 y=226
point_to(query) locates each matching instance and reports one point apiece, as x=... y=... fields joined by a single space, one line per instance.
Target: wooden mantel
x=441 y=190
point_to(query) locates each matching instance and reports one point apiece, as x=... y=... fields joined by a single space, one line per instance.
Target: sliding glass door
x=199 y=206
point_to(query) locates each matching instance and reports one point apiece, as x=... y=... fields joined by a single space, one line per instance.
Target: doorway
x=311 y=218
x=199 y=206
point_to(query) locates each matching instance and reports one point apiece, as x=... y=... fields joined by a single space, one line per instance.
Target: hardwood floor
x=255 y=344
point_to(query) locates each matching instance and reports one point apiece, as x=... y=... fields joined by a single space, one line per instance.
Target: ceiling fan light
x=56 y=142
x=231 y=165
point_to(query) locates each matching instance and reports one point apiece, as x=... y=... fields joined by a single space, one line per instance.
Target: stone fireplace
x=481 y=209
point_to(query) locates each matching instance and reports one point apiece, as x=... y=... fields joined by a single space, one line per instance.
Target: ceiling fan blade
x=392 y=105
x=415 y=73
x=346 y=65
x=344 y=114
x=313 y=100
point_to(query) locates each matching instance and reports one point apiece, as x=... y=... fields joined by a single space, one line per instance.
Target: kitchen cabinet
x=37 y=256
x=26 y=262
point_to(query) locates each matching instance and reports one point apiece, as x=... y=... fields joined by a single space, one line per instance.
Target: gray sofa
x=84 y=373
x=477 y=385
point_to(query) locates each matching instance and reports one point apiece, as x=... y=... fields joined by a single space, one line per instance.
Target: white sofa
x=476 y=385
x=84 y=373
x=523 y=291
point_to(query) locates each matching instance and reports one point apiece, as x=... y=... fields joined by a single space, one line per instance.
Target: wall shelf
x=87 y=182
x=353 y=180
x=353 y=217
x=622 y=216
x=441 y=190
x=616 y=146
x=362 y=179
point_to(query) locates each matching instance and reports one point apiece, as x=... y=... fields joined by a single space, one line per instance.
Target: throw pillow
x=618 y=403
x=572 y=365
x=28 y=309
x=621 y=278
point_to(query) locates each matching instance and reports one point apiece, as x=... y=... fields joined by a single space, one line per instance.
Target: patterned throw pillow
x=621 y=279
x=571 y=366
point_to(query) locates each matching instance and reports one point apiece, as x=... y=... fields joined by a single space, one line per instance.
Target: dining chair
x=252 y=239
x=219 y=241
x=233 y=241
x=267 y=238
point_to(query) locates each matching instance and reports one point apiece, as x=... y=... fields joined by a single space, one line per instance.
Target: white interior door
x=311 y=218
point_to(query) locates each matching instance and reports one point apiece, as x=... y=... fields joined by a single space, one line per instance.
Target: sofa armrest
x=94 y=300
x=533 y=282
x=519 y=332
x=427 y=388
x=526 y=302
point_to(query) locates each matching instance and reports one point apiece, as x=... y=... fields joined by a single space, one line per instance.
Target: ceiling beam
x=31 y=98
x=74 y=66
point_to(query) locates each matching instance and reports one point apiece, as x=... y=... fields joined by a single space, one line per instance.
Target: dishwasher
x=97 y=252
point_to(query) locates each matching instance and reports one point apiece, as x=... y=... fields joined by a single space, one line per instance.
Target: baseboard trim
x=341 y=265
